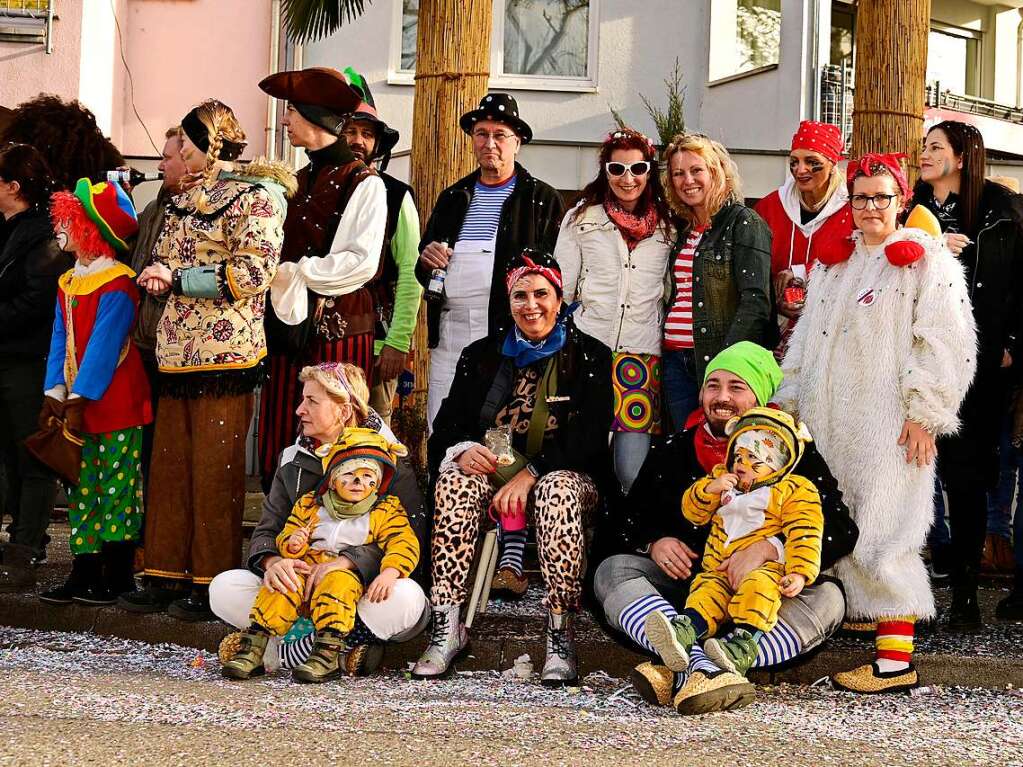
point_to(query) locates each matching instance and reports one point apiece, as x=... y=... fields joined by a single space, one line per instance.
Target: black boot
x=964 y=614
x=85 y=573
x=1011 y=607
x=17 y=573
x=154 y=596
x=119 y=567
x=194 y=608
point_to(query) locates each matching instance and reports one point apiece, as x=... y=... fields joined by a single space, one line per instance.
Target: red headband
x=530 y=267
x=866 y=164
x=823 y=138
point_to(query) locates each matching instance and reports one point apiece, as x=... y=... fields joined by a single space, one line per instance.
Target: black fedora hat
x=499 y=107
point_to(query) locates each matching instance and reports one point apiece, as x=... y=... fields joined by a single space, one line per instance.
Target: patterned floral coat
x=224 y=244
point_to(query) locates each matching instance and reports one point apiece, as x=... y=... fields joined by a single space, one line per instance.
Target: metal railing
x=27 y=21
x=837 y=97
x=946 y=99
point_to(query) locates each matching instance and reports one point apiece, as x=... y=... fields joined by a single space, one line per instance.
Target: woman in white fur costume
x=878 y=365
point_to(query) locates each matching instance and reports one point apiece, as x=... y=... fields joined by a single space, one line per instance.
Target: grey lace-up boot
x=448 y=641
x=560 y=667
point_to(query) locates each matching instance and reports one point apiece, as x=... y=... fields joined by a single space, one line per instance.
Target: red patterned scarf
x=634 y=228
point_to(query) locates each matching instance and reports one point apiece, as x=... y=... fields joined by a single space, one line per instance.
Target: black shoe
x=62 y=595
x=152 y=599
x=195 y=608
x=95 y=595
x=964 y=614
x=119 y=567
x=1011 y=607
x=940 y=566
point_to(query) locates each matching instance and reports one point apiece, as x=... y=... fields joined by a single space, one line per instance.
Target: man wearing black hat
x=477 y=227
x=320 y=309
x=397 y=292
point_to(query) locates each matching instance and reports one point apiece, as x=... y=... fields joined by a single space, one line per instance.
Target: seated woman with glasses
x=613 y=249
x=720 y=272
x=879 y=362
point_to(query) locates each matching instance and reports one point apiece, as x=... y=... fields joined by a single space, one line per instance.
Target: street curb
x=497 y=641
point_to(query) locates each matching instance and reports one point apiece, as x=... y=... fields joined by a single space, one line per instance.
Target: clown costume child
x=753 y=497
x=349 y=508
x=96 y=385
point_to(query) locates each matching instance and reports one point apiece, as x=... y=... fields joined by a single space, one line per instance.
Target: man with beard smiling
x=397 y=292
x=630 y=586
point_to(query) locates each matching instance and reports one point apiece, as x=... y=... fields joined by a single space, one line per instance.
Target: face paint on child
x=354 y=486
x=748 y=468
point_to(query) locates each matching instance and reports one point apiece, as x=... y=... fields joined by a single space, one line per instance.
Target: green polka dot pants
x=106 y=507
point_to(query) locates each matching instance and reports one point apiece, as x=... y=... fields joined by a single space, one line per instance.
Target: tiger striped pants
x=332 y=605
x=755 y=603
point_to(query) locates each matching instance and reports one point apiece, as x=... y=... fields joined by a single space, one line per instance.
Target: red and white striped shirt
x=678 y=327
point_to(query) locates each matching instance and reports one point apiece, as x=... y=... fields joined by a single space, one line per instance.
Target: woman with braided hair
x=216 y=255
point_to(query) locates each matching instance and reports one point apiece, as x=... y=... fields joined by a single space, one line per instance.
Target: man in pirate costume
x=397 y=291
x=321 y=309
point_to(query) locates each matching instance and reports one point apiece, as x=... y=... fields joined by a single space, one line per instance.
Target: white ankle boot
x=559 y=668
x=448 y=640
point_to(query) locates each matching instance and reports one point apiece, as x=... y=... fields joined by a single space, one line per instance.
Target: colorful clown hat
x=110 y=209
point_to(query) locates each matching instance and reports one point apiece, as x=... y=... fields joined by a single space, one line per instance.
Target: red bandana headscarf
x=890 y=161
x=551 y=273
x=823 y=138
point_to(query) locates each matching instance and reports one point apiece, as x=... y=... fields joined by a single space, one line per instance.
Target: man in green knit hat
x=629 y=586
x=397 y=291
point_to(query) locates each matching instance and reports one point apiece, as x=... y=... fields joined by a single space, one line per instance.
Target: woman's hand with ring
x=919 y=443
x=477 y=460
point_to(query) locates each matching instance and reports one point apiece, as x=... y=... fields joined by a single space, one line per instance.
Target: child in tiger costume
x=349 y=508
x=755 y=497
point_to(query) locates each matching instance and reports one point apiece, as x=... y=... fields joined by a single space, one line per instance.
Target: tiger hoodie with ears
x=216 y=256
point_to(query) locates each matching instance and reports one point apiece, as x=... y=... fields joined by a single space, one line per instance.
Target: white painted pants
x=400 y=617
x=462 y=321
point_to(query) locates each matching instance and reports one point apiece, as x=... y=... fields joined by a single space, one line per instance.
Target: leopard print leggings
x=561 y=503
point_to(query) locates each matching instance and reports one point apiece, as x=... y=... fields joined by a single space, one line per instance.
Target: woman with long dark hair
x=613 y=249
x=30 y=263
x=983 y=226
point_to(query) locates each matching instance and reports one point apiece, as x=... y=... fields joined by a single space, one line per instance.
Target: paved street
x=78 y=699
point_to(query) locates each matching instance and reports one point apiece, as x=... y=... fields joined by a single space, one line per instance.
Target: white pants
x=401 y=616
x=461 y=323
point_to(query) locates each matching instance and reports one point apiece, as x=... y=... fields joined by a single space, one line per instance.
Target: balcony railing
x=945 y=99
x=27 y=21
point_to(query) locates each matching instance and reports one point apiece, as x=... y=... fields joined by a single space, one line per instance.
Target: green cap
x=753 y=364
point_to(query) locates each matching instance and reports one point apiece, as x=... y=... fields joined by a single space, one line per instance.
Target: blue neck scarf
x=525 y=352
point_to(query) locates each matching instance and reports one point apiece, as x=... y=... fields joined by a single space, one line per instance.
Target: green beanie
x=753 y=364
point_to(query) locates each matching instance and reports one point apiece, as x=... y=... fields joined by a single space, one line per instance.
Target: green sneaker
x=672 y=638
x=247 y=660
x=737 y=654
x=325 y=662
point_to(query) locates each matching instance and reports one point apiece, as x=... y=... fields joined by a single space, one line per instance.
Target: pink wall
x=182 y=51
x=26 y=70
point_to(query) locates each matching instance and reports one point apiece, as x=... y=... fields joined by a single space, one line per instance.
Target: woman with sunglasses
x=877 y=367
x=720 y=274
x=809 y=212
x=613 y=249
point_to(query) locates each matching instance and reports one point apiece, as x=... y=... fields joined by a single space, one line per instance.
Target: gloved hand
x=52 y=408
x=74 y=413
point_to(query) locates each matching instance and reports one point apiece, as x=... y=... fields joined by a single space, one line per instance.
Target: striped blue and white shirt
x=484 y=212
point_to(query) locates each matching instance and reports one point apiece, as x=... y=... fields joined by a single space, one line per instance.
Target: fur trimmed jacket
x=878 y=344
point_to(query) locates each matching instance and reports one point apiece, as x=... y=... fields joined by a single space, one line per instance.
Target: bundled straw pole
x=452 y=69
x=891 y=66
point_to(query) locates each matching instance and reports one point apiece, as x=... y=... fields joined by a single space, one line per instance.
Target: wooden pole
x=452 y=70
x=891 y=67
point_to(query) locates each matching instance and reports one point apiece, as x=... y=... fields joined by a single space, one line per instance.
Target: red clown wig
x=68 y=213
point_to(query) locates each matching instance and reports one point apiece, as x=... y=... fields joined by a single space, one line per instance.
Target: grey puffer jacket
x=298 y=473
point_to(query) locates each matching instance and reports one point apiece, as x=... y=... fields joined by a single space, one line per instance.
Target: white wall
x=638 y=44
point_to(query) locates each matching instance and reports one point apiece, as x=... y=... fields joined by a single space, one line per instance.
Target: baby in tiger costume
x=349 y=508
x=755 y=497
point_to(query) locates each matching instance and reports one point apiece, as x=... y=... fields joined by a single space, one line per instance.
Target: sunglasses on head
x=636 y=168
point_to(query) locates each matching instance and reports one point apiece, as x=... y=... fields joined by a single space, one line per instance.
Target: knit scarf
x=634 y=228
x=525 y=352
x=339 y=509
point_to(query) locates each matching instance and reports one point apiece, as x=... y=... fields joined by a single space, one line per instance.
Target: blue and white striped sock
x=513 y=549
x=698 y=661
x=778 y=645
x=633 y=617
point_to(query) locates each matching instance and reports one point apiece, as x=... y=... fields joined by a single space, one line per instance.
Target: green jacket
x=731 y=283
